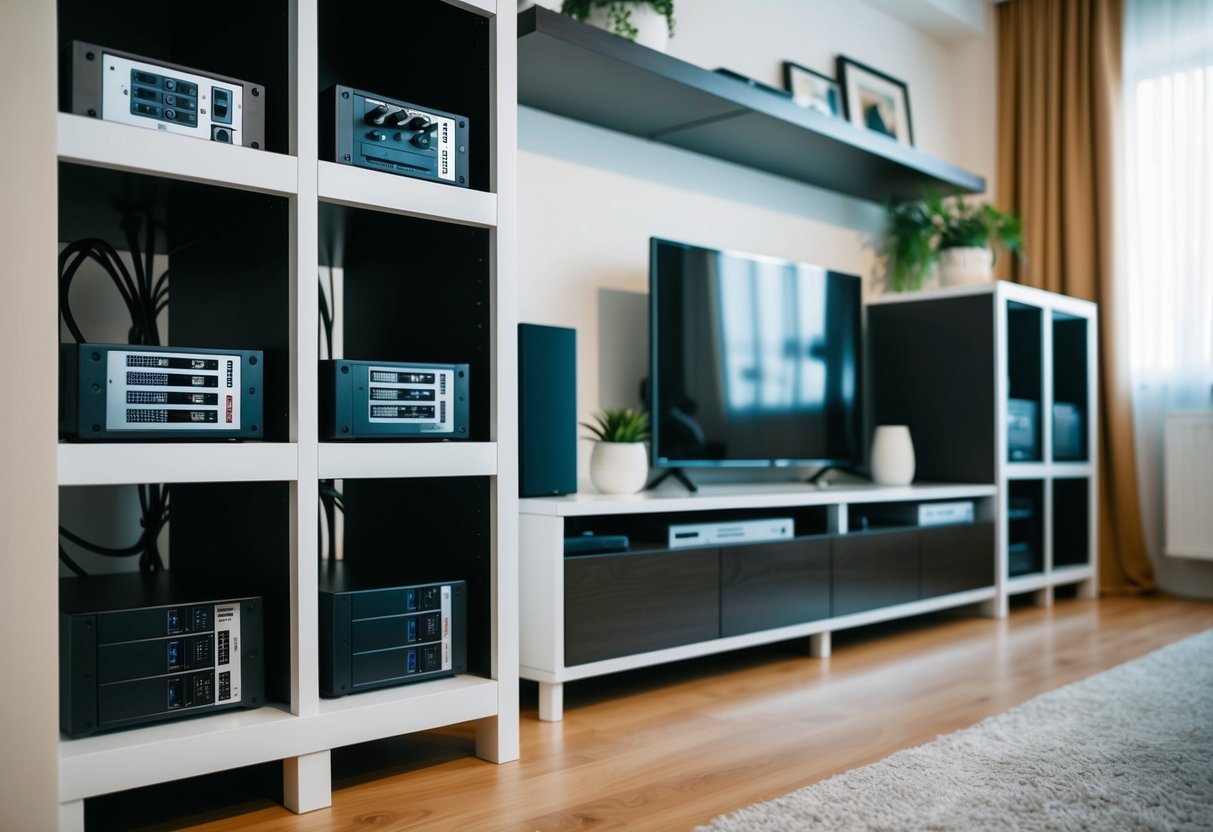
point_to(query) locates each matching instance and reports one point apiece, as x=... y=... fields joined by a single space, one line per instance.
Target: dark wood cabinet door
x=956 y=558
x=769 y=585
x=621 y=604
x=874 y=569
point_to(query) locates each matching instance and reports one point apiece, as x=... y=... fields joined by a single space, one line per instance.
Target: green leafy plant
x=620 y=424
x=917 y=231
x=619 y=13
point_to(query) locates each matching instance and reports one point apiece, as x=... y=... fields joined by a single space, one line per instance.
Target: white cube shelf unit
x=857 y=557
x=997 y=383
x=427 y=274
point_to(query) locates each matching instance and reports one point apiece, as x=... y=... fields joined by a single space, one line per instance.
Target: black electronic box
x=144 y=92
x=136 y=648
x=381 y=399
x=110 y=392
x=372 y=131
x=373 y=636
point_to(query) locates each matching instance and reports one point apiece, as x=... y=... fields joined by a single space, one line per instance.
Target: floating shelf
x=585 y=73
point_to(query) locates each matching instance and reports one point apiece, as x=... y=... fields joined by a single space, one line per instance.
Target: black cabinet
x=770 y=585
x=873 y=569
x=620 y=604
x=955 y=558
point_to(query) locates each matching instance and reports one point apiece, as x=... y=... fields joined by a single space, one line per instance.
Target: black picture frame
x=812 y=89
x=875 y=100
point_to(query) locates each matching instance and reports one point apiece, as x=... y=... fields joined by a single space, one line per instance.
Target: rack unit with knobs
x=428 y=275
x=997 y=383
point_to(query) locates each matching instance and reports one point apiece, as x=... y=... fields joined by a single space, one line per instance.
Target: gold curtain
x=1059 y=89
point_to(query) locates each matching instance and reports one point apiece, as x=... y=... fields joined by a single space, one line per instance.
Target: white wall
x=589 y=199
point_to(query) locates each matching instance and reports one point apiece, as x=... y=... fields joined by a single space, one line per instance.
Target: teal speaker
x=547 y=410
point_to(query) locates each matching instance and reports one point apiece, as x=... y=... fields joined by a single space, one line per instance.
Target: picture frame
x=875 y=101
x=813 y=90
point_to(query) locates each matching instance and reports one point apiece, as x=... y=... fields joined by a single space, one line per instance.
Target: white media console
x=858 y=556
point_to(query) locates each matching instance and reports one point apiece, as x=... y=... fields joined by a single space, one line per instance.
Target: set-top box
x=361 y=399
x=111 y=391
x=137 y=648
x=144 y=92
x=739 y=531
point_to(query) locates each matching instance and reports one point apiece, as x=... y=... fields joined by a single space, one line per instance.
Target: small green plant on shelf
x=919 y=230
x=621 y=424
x=619 y=13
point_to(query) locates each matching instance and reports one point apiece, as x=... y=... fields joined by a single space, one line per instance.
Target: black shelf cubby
x=438 y=57
x=227 y=255
x=1025 y=527
x=1025 y=390
x=1071 y=521
x=422 y=530
x=651 y=531
x=1070 y=386
x=248 y=41
x=414 y=290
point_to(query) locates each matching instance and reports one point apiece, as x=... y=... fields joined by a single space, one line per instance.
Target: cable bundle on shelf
x=145 y=297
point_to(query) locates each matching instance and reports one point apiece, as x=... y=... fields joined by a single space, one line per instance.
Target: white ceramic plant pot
x=965 y=265
x=892 y=455
x=619 y=467
x=652 y=29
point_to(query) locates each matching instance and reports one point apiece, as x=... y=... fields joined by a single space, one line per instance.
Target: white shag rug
x=1127 y=749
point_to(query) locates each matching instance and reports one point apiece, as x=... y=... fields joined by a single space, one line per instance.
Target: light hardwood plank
x=671 y=747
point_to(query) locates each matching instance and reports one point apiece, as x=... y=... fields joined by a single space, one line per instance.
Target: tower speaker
x=547 y=410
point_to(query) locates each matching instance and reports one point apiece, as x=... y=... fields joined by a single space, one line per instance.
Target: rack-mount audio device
x=110 y=392
x=364 y=399
x=376 y=637
x=131 y=89
x=137 y=648
x=371 y=131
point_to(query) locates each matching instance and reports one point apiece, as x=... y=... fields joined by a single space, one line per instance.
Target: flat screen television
x=753 y=361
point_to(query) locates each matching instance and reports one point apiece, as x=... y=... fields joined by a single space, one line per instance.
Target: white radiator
x=1188 y=461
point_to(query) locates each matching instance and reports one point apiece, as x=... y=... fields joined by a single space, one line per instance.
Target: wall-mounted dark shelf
x=582 y=72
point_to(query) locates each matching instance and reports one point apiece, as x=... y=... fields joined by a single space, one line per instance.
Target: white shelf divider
x=134 y=463
x=339 y=460
x=107 y=144
x=390 y=712
x=378 y=191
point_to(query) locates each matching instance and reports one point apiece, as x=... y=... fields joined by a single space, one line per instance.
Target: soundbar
x=381 y=399
x=374 y=636
x=112 y=392
x=741 y=531
x=131 y=89
x=135 y=649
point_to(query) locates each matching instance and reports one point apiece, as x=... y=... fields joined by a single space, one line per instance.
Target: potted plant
x=959 y=235
x=647 y=22
x=619 y=463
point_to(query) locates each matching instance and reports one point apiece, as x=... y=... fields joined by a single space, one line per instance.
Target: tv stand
x=858 y=557
x=676 y=473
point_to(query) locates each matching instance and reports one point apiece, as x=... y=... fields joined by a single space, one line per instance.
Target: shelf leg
x=996 y=607
x=819 y=645
x=1043 y=597
x=307 y=782
x=71 y=816
x=1088 y=589
x=497 y=737
x=551 y=701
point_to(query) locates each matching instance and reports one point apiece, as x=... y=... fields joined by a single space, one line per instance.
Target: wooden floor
x=671 y=747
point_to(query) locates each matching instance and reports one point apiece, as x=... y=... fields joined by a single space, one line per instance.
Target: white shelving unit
x=302 y=731
x=666 y=604
x=1005 y=342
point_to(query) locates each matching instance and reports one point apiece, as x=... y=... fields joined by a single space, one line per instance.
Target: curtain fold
x=1059 y=87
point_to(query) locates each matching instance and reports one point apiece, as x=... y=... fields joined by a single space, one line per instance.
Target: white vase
x=619 y=467
x=965 y=265
x=892 y=455
x=652 y=29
